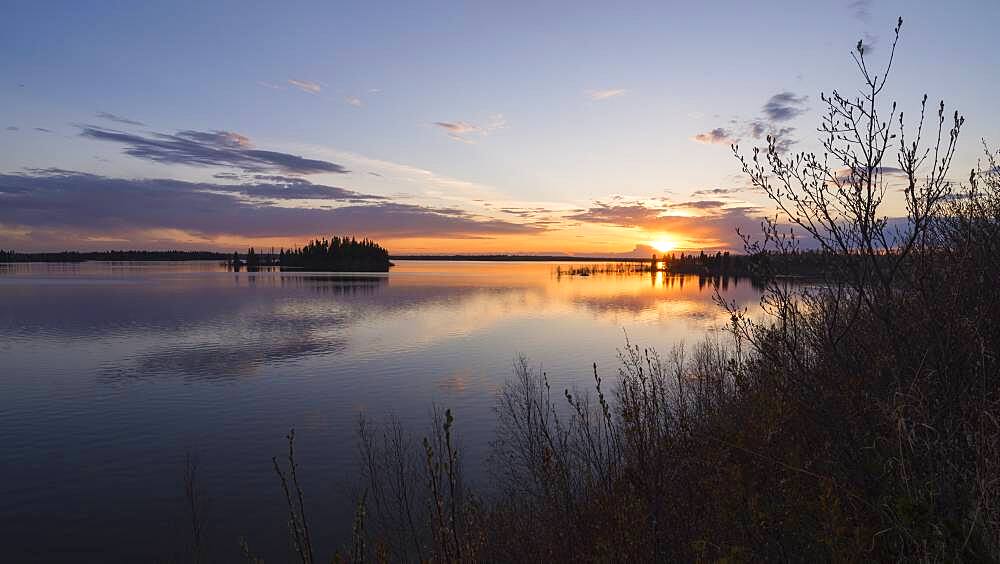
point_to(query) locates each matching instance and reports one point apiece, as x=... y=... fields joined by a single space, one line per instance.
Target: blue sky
x=444 y=114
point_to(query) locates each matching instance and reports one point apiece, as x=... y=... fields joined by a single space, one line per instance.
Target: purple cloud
x=784 y=106
x=717 y=136
x=209 y=148
x=77 y=204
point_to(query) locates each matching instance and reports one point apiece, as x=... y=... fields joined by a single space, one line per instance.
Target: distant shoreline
x=519 y=258
x=187 y=256
x=809 y=264
x=112 y=256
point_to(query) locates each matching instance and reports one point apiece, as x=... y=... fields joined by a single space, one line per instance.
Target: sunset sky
x=536 y=127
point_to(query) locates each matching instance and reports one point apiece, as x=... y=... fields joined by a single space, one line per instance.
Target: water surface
x=112 y=373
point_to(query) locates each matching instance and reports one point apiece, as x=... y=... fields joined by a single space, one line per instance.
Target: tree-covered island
x=339 y=254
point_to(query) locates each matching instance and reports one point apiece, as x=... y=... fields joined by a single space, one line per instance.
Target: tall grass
x=606 y=268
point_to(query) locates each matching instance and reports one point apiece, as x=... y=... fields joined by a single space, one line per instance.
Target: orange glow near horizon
x=582 y=240
x=664 y=244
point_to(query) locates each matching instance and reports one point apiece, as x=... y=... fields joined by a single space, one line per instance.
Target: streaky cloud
x=209 y=148
x=119 y=119
x=716 y=191
x=606 y=94
x=281 y=179
x=77 y=204
x=306 y=85
x=462 y=130
x=458 y=127
x=700 y=204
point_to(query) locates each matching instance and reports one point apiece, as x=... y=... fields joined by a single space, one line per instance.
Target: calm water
x=111 y=373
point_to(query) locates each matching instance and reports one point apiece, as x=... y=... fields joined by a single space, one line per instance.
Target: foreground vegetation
x=794 y=263
x=860 y=421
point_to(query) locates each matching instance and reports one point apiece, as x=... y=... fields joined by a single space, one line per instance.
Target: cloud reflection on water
x=124 y=366
x=209 y=325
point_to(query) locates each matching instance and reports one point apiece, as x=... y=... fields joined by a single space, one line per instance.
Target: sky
x=442 y=127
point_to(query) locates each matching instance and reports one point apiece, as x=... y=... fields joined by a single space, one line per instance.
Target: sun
x=663 y=245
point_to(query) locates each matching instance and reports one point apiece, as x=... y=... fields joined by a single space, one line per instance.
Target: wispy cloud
x=43 y=130
x=209 y=148
x=119 y=119
x=281 y=179
x=717 y=136
x=844 y=175
x=353 y=101
x=248 y=181
x=861 y=9
x=13 y=128
x=464 y=131
x=605 y=94
x=306 y=85
x=783 y=140
x=716 y=191
x=425 y=179
x=779 y=108
x=458 y=127
x=868 y=42
x=784 y=106
x=270 y=85
x=700 y=205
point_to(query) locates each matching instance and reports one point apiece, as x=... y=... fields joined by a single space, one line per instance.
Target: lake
x=113 y=373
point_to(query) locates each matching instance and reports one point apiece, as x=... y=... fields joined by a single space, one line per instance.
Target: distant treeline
x=516 y=258
x=719 y=265
x=794 y=263
x=339 y=254
x=349 y=254
x=75 y=256
x=797 y=263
